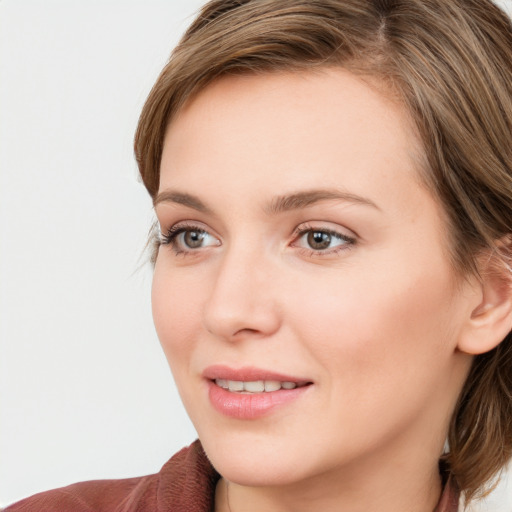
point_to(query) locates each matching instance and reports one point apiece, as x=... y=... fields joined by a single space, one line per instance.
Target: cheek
x=379 y=329
x=175 y=313
x=384 y=349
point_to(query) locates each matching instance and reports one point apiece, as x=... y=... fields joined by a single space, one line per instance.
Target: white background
x=85 y=391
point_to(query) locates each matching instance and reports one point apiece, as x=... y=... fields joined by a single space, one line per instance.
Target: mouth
x=250 y=393
x=252 y=380
x=257 y=386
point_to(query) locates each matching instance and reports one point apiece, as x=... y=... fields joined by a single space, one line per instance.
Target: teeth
x=222 y=383
x=256 y=386
x=235 y=385
x=272 y=385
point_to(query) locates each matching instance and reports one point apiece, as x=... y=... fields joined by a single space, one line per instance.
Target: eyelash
x=303 y=230
x=170 y=238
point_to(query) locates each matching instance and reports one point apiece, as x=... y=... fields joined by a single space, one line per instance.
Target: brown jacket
x=186 y=483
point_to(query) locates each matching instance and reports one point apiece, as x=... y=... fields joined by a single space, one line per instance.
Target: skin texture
x=375 y=324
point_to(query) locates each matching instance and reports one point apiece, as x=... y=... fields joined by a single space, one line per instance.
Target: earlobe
x=491 y=320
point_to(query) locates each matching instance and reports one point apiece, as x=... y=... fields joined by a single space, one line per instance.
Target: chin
x=259 y=460
x=252 y=471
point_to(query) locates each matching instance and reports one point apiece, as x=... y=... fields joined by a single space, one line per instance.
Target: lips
x=250 y=393
x=255 y=386
x=248 y=374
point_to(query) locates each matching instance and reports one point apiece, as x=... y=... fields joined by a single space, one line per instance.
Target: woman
x=332 y=183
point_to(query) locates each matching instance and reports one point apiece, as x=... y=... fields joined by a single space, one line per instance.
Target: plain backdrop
x=85 y=391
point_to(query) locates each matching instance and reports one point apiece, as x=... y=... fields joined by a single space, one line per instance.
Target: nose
x=242 y=300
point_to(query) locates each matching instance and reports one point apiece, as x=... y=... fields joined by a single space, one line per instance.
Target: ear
x=491 y=320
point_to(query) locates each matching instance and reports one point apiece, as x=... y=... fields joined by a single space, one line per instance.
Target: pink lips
x=248 y=406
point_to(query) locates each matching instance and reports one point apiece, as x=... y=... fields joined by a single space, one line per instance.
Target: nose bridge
x=241 y=298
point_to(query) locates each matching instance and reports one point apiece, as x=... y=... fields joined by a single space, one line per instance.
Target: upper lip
x=249 y=374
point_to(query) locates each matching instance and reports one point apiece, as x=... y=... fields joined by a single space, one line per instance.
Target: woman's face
x=300 y=247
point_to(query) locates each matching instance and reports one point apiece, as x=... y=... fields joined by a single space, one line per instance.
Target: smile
x=250 y=393
x=255 y=386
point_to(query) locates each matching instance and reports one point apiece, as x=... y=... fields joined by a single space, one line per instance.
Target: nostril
x=246 y=330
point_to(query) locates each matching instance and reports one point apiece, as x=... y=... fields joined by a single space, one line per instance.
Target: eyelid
x=170 y=236
x=349 y=239
x=328 y=227
x=184 y=224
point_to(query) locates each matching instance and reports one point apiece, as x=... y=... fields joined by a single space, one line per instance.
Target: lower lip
x=250 y=406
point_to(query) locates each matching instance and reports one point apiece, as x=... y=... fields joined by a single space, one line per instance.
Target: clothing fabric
x=186 y=483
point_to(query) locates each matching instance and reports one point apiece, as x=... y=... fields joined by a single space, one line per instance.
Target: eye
x=319 y=240
x=187 y=238
x=322 y=241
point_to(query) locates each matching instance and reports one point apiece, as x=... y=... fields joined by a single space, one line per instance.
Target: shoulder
x=187 y=474
x=95 y=495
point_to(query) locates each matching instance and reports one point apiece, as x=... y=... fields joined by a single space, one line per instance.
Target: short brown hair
x=450 y=62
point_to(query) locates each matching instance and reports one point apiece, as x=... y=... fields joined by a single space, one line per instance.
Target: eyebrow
x=277 y=205
x=309 y=197
x=170 y=196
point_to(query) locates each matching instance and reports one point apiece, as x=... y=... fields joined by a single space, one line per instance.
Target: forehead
x=328 y=124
